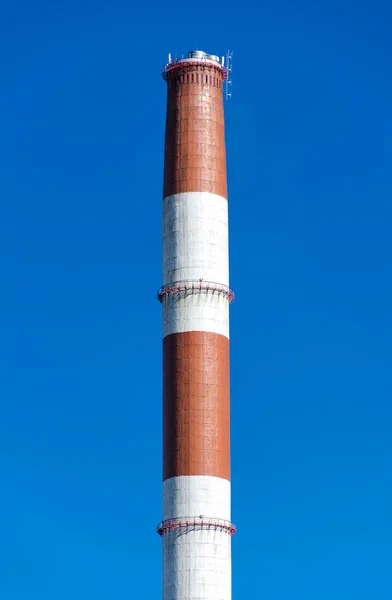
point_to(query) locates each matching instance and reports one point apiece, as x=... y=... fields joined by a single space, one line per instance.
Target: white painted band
x=195 y=495
x=196 y=312
x=196 y=564
x=195 y=238
x=194 y=247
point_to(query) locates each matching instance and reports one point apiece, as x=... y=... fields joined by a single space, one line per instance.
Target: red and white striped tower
x=196 y=529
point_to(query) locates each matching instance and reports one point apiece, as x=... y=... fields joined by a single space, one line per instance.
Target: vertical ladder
x=229 y=67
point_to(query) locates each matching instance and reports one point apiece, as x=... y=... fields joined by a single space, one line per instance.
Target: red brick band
x=195 y=154
x=196 y=405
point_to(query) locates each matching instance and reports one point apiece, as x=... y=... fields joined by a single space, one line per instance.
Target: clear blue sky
x=309 y=142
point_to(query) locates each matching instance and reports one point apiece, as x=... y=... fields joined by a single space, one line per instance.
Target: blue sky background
x=309 y=143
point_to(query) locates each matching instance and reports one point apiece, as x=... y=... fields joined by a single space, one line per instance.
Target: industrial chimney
x=196 y=528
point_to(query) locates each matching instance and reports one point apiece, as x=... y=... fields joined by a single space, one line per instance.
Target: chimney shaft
x=196 y=529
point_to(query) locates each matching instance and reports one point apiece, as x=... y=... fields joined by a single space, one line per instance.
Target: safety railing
x=195 y=286
x=185 y=524
x=200 y=62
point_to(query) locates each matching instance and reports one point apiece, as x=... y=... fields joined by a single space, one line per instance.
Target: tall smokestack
x=196 y=529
